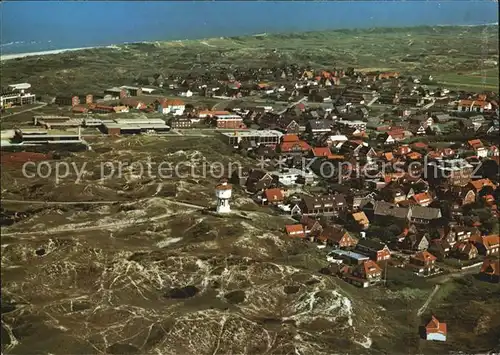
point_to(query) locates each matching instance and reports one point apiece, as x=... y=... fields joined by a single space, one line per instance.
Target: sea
x=34 y=26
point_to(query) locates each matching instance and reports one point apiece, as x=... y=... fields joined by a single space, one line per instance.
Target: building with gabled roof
x=365 y=274
x=422 y=199
x=361 y=219
x=377 y=251
x=465 y=250
x=488 y=245
x=337 y=236
x=295 y=231
x=273 y=196
x=435 y=330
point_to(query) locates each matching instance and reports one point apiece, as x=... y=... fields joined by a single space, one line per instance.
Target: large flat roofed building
x=135 y=126
x=16 y=95
x=45 y=136
x=230 y=121
x=234 y=138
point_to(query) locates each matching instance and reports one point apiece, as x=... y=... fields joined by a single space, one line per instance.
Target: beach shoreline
x=54 y=51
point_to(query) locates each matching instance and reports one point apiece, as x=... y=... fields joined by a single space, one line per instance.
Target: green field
x=484 y=79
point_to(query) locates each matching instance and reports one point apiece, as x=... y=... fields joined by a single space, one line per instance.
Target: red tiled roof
x=424 y=256
x=479 y=184
x=289 y=146
x=414 y=156
x=371 y=267
x=404 y=149
x=295 y=230
x=476 y=103
x=274 y=194
x=361 y=218
x=422 y=197
x=465 y=247
x=290 y=138
x=491 y=241
x=396 y=133
x=321 y=152
x=224 y=186
x=435 y=326
x=388 y=156
x=172 y=102
x=420 y=145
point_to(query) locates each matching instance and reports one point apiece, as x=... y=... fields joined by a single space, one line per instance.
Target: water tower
x=223 y=193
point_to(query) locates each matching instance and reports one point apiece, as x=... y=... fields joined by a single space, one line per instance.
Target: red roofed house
x=209 y=113
x=420 y=145
x=393 y=136
x=490 y=270
x=290 y=137
x=465 y=250
x=487 y=244
x=414 y=156
x=422 y=199
x=493 y=151
x=273 y=196
x=435 y=330
x=230 y=122
x=312 y=226
x=474 y=105
x=365 y=274
x=478 y=185
x=361 y=219
x=294 y=148
x=422 y=262
x=478 y=147
x=338 y=237
x=295 y=231
x=402 y=150
x=321 y=152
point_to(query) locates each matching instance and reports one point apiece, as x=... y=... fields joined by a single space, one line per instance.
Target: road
x=292 y=105
x=422 y=309
x=441 y=280
x=42 y=104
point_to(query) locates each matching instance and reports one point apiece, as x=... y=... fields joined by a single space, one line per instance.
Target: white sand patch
x=367 y=343
x=321 y=303
x=55 y=51
x=207 y=44
x=166 y=242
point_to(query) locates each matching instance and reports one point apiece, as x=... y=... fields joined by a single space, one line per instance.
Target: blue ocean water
x=44 y=25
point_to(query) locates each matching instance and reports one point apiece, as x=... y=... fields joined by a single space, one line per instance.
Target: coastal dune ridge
x=117 y=46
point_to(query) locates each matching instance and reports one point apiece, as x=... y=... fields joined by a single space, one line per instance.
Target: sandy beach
x=55 y=51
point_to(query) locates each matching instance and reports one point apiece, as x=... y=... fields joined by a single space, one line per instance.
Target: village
x=377 y=169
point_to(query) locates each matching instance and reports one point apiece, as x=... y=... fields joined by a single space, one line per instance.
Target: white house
x=291 y=176
x=174 y=106
x=336 y=140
